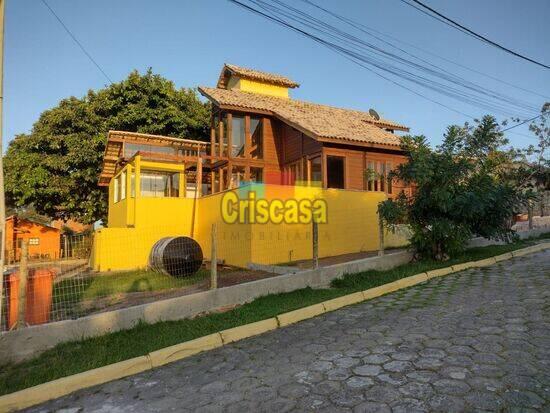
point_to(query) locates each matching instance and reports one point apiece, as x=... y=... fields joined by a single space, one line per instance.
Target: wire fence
x=121 y=267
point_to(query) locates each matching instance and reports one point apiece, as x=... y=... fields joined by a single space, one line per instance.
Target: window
x=119 y=187
x=116 y=195
x=34 y=241
x=290 y=174
x=237 y=137
x=256 y=138
x=376 y=176
x=389 y=189
x=130 y=149
x=133 y=185
x=315 y=171
x=256 y=175
x=382 y=171
x=237 y=176
x=370 y=176
x=225 y=137
x=216 y=126
x=122 y=185
x=336 y=172
x=159 y=184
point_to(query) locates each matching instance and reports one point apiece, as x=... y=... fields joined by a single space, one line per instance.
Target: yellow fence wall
x=352 y=226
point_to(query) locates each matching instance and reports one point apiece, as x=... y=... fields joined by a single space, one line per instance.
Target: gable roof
x=252 y=74
x=321 y=122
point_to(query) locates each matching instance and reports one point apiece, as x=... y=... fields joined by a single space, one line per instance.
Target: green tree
x=55 y=167
x=459 y=190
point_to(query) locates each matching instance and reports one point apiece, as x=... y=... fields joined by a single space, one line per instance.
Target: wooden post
x=230 y=183
x=229 y=137
x=221 y=184
x=199 y=177
x=221 y=136
x=380 y=236
x=214 y=260
x=23 y=275
x=212 y=137
x=247 y=137
x=315 y=241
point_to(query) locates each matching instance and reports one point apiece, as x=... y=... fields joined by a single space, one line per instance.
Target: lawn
x=78 y=295
x=74 y=357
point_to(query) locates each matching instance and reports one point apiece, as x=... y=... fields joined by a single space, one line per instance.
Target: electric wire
x=88 y=55
x=453 y=23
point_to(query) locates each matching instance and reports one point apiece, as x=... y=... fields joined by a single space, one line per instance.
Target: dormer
x=254 y=81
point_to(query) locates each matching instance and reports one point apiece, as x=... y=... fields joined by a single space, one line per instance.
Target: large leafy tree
x=55 y=167
x=459 y=190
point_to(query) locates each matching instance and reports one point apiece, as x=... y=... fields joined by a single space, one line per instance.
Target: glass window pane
x=256 y=138
x=130 y=149
x=123 y=185
x=237 y=136
x=237 y=176
x=389 y=181
x=315 y=170
x=115 y=190
x=370 y=176
x=175 y=185
x=159 y=184
x=256 y=175
x=336 y=172
x=382 y=176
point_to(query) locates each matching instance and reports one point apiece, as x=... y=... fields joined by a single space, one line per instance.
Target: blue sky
x=188 y=41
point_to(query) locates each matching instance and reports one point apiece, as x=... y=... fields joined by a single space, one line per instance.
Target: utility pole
x=2 y=198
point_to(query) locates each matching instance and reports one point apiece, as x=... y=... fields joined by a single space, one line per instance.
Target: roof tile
x=325 y=122
x=255 y=75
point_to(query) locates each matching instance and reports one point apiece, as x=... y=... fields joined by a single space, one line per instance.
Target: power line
x=346 y=53
x=335 y=49
x=434 y=70
x=369 y=31
x=77 y=42
x=452 y=23
x=349 y=50
x=523 y=122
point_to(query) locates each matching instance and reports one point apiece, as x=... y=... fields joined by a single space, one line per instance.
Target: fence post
x=214 y=260
x=23 y=274
x=380 y=236
x=315 y=240
x=530 y=214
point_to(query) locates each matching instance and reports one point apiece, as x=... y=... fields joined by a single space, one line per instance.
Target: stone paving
x=478 y=340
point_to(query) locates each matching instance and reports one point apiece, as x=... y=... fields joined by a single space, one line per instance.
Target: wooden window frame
x=344 y=157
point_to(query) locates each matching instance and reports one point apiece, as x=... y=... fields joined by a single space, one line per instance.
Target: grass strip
x=74 y=357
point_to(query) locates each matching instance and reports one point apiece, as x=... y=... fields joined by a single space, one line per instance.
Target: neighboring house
x=258 y=134
x=70 y=226
x=43 y=240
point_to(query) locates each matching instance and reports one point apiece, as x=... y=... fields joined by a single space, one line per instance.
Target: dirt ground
x=227 y=276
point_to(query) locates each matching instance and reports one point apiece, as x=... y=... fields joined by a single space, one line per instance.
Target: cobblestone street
x=478 y=340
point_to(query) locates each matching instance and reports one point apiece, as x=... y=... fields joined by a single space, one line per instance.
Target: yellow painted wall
x=352 y=226
x=117 y=213
x=252 y=86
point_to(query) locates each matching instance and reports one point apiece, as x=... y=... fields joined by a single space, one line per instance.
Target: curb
x=69 y=384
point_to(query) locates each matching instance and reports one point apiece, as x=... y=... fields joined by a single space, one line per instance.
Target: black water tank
x=176 y=256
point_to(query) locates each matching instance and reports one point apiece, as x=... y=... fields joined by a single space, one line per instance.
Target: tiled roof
x=318 y=121
x=254 y=75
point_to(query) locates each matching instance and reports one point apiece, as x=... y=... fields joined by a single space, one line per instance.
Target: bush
x=459 y=190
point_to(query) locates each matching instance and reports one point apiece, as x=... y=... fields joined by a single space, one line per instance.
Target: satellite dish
x=374 y=114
